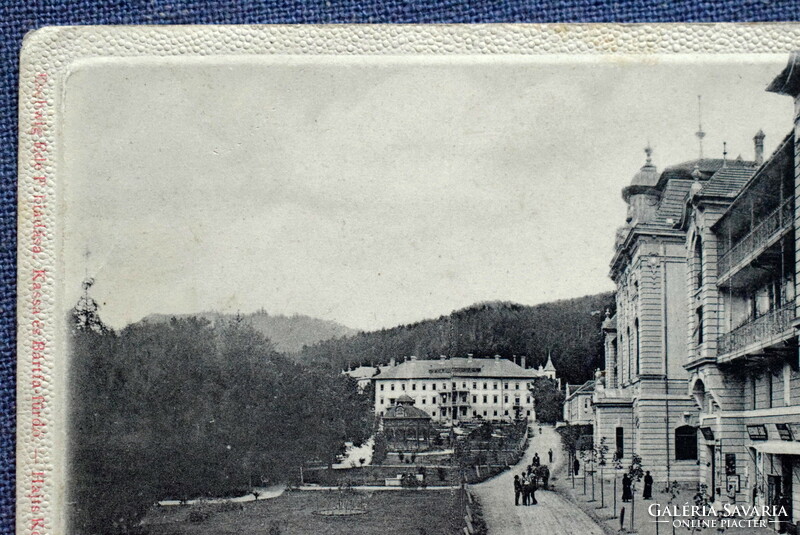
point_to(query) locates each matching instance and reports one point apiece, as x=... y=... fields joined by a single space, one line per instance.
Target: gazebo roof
x=406 y=412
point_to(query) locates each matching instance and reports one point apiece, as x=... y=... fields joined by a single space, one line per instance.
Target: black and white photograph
x=417 y=294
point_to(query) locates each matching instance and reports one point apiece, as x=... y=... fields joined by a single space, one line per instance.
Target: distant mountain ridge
x=568 y=329
x=289 y=333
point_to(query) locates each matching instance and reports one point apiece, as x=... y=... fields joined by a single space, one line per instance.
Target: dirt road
x=553 y=514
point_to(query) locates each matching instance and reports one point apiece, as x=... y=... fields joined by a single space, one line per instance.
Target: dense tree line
x=548 y=399
x=186 y=409
x=569 y=330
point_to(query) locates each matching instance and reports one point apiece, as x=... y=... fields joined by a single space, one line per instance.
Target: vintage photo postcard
x=423 y=280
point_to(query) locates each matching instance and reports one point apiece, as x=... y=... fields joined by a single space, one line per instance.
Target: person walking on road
x=627 y=494
x=550 y=455
x=647 y=493
x=532 y=483
x=517 y=490
x=576 y=466
x=536 y=461
x=525 y=491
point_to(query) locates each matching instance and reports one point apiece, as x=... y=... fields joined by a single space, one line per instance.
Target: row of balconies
x=774 y=326
x=763 y=235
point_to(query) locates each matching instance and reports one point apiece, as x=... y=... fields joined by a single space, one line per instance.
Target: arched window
x=686 y=443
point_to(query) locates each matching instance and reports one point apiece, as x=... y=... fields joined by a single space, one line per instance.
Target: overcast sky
x=375 y=192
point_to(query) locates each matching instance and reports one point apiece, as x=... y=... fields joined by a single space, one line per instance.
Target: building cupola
x=642 y=196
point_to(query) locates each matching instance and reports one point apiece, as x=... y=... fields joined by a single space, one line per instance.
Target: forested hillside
x=568 y=329
x=288 y=333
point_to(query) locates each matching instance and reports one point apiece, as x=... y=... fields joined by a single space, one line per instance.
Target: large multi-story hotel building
x=703 y=350
x=456 y=389
x=743 y=351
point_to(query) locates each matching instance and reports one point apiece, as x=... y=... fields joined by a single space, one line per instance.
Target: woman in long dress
x=648 y=486
x=627 y=494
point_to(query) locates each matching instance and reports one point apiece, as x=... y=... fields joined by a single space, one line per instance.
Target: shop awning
x=780 y=447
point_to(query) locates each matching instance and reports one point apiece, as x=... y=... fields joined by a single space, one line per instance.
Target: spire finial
x=700 y=134
x=648 y=150
x=724 y=154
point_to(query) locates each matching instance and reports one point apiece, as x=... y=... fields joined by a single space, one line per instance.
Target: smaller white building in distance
x=461 y=388
x=578 y=408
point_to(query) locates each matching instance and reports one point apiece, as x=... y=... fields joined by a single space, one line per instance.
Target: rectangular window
x=505 y=386
x=403 y=386
x=485 y=386
x=433 y=401
x=433 y=386
x=619 y=450
x=381 y=387
x=506 y=413
x=423 y=401
x=495 y=413
x=686 y=443
x=505 y=399
x=495 y=386
x=474 y=399
x=392 y=387
x=485 y=399
x=433 y=413
x=413 y=386
x=516 y=386
x=423 y=386
x=495 y=401
x=484 y=413
x=699 y=327
x=381 y=400
x=474 y=386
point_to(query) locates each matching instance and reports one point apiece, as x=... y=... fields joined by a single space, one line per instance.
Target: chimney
x=497 y=357
x=392 y=362
x=522 y=361
x=469 y=357
x=413 y=357
x=442 y=357
x=758 y=141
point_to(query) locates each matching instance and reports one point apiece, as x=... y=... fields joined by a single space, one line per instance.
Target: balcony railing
x=776 y=222
x=761 y=329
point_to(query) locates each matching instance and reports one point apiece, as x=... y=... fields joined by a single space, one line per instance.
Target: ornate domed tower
x=642 y=196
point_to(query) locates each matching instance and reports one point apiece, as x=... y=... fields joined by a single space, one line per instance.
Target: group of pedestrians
x=627 y=487
x=527 y=483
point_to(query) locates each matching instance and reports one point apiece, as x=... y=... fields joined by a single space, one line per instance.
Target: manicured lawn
x=424 y=512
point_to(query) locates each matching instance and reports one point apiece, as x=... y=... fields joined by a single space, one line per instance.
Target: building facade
x=578 y=406
x=461 y=389
x=641 y=404
x=710 y=254
x=743 y=351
